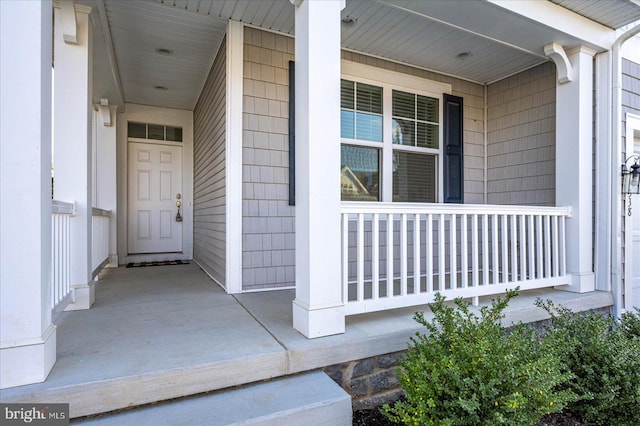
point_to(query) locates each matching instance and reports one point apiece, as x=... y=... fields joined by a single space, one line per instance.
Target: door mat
x=163 y=263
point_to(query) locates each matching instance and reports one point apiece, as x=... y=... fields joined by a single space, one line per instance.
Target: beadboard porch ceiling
x=477 y=40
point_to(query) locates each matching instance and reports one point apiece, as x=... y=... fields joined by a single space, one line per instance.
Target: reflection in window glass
x=415 y=120
x=359 y=173
x=414 y=177
x=361 y=111
x=137 y=130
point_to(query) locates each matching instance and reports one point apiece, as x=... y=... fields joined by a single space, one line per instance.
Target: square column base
x=29 y=361
x=319 y=322
x=85 y=296
x=580 y=283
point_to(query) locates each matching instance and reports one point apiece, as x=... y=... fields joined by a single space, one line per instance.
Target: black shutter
x=453 y=150
x=292 y=133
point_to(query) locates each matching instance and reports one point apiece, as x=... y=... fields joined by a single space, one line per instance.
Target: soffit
x=426 y=34
x=612 y=13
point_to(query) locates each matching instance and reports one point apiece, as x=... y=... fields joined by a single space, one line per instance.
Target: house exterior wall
x=209 y=224
x=630 y=93
x=268 y=238
x=521 y=138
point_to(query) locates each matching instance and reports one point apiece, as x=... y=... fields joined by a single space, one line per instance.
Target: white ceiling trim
x=457 y=27
x=562 y=19
x=106 y=33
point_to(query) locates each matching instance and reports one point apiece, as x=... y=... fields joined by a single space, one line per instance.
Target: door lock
x=178 y=216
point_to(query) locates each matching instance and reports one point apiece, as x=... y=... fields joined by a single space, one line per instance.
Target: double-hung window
x=391 y=140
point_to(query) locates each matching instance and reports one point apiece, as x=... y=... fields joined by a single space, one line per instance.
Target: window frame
x=389 y=81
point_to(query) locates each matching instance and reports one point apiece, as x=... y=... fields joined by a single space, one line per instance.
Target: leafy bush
x=631 y=324
x=467 y=370
x=604 y=360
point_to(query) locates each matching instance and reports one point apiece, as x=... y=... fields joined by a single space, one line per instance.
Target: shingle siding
x=521 y=138
x=209 y=121
x=268 y=224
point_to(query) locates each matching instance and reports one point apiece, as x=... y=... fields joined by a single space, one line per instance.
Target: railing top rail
x=62 y=207
x=96 y=211
x=424 y=208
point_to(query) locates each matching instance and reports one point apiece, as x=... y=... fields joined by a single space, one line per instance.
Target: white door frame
x=632 y=128
x=168 y=117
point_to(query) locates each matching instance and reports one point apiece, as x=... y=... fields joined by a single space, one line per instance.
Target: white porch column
x=72 y=141
x=318 y=309
x=574 y=162
x=105 y=171
x=28 y=339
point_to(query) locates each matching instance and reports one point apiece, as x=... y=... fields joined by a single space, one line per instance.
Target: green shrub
x=631 y=324
x=468 y=371
x=605 y=362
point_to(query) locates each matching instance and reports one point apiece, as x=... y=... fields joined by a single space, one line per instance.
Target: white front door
x=155 y=184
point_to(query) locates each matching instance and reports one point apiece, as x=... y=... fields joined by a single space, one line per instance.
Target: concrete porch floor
x=163 y=332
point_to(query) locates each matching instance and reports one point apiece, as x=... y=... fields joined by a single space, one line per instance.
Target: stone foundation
x=371 y=382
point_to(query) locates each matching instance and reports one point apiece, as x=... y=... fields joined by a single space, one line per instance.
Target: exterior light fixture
x=163 y=51
x=348 y=22
x=631 y=179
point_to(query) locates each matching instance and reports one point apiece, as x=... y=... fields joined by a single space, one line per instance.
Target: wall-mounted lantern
x=631 y=179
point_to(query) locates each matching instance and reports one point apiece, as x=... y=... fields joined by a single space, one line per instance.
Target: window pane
x=368 y=127
x=403 y=132
x=428 y=109
x=174 y=134
x=404 y=105
x=347 y=125
x=346 y=94
x=359 y=174
x=137 y=130
x=368 y=98
x=156 y=132
x=414 y=177
x=427 y=135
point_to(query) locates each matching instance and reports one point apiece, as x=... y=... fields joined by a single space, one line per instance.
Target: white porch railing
x=398 y=255
x=61 y=293
x=99 y=239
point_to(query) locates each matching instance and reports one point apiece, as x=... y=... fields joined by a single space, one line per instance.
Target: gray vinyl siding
x=268 y=225
x=473 y=119
x=521 y=138
x=209 y=224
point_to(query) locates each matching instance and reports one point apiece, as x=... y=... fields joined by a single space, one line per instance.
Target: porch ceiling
x=495 y=42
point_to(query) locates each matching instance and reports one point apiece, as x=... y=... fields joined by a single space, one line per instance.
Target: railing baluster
x=464 y=264
x=514 y=249
x=375 y=256
x=563 y=249
x=494 y=248
x=442 y=253
x=390 y=255
x=531 y=247
x=485 y=249
x=360 y=257
x=523 y=249
x=505 y=250
x=474 y=251
x=554 y=246
x=429 y=252
x=547 y=247
x=345 y=257
x=403 y=254
x=416 y=254
x=453 y=253
x=539 y=270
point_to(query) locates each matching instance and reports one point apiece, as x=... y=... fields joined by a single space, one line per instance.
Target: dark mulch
x=374 y=417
